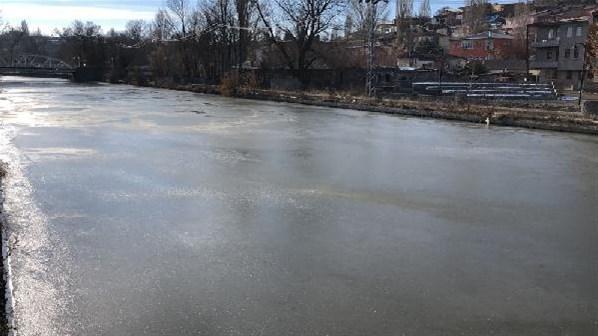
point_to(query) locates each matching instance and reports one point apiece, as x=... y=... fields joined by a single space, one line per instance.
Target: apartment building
x=558 y=38
x=559 y=50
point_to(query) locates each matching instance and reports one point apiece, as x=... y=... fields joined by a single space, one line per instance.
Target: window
x=569 y=31
x=567 y=53
x=569 y=74
x=466 y=44
x=575 y=52
x=490 y=45
x=549 y=54
x=551 y=34
x=579 y=31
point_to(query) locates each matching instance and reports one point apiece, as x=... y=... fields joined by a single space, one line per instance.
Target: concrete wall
x=591 y=107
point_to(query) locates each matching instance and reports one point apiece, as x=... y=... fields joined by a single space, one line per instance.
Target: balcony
x=544 y=64
x=546 y=43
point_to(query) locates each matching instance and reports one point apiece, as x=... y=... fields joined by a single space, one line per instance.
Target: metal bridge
x=35 y=65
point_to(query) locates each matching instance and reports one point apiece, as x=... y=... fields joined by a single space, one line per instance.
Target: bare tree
x=176 y=18
x=592 y=49
x=15 y=40
x=425 y=11
x=302 y=22
x=358 y=15
x=404 y=9
x=162 y=27
x=243 y=8
x=211 y=38
x=84 y=45
x=348 y=25
x=25 y=27
x=405 y=44
x=519 y=23
x=475 y=15
x=180 y=9
x=136 y=30
x=220 y=20
x=80 y=29
x=593 y=41
x=358 y=12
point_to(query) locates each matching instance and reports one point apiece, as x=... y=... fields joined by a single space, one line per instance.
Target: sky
x=50 y=14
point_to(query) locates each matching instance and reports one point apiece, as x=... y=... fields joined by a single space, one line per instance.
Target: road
x=137 y=211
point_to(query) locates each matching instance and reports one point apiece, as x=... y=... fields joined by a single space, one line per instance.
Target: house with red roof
x=482 y=46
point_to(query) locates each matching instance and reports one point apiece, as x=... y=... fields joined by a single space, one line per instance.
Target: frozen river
x=136 y=211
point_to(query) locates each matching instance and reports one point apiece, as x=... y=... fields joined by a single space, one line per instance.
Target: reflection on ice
x=38 y=260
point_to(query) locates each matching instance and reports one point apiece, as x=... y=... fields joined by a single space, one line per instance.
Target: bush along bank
x=553 y=116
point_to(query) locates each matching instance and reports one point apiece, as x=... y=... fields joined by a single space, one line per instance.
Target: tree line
x=209 y=40
x=191 y=40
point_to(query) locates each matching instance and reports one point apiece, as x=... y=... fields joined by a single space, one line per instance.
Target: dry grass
x=229 y=84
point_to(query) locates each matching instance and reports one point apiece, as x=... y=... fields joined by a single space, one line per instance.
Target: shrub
x=229 y=84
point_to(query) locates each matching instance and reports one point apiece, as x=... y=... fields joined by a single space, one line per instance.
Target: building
x=559 y=50
x=483 y=46
x=449 y=17
x=386 y=28
x=558 y=41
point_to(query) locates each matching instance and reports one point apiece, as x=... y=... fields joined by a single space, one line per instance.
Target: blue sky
x=49 y=14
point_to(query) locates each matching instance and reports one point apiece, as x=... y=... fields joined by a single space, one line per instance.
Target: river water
x=136 y=211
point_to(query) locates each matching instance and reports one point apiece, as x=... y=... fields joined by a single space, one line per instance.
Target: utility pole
x=440 y=70
x=372 y=13
x=582 y=72
x=527 y=52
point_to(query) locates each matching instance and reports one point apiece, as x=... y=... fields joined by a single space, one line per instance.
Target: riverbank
x=553 y=116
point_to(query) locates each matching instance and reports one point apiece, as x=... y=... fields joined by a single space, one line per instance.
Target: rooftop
x=486 y=35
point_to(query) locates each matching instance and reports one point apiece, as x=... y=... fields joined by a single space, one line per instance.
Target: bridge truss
x=35 y=62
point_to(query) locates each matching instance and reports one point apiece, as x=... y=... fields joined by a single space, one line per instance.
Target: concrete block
x=590 y=107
